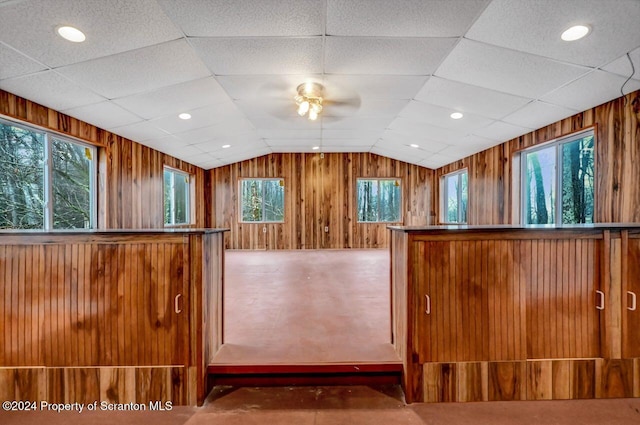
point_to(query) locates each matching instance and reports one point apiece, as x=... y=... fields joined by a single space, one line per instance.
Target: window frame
x=400 y=204
x=444 y=196
x=240 y=209
x=557 y=144
x=48 y=170
x=188 y=207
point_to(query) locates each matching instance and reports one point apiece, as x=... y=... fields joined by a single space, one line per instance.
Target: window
x=455 y=195
x=176 y=197
x=558 y=181
x=379 y=200
x=262 y=200
x=46 y=181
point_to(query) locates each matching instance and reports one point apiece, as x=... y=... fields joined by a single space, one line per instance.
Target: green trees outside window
x=379 y=200
x=46 y=182
x=262 y=200
x=176 y=197
x=455 y=195
x=565 y=167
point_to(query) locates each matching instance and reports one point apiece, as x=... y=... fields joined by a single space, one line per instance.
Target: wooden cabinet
x=508 y=313
x=124 y=312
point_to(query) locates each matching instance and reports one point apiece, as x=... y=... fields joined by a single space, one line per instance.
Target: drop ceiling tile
x=262 y=55
x=140 y=70
x=461 y=151
x=289 y=134
x=230 y=159
x=365 y=108
x=471 y=141
x=15 y=64
x=421 y=130
x=175 y=99
x=299 y=143
x=356 y=123
x=622 y=66
x=349 y=142
x=439 y=116
x=328 y=134
x=505 y=70
x=591 y=90
x=345 y=149
x=182 y=151
x=111 y=27
x=412 y=156
x=223 y=18
x=502 y=132
x=389 y=56
x=50 y=89
x=436 y=161
x=238 y=143
x=391 y=136
x=200 y=117
x=411 y=18
x=538 y=114
x=292 y=149
x=203 y=160
x=139 y=132
x=164 y=143
x=535 y=27
x=403 y=150
x=467 y=98
x=216 y=132
x=104 y=115
x=255 y=87
x=378 y=86
x=270 y=123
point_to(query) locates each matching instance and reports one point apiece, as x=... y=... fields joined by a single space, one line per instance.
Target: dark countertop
x=176 y=230
x=507 y=227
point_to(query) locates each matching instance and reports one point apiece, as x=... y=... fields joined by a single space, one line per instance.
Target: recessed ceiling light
x=456 y=115
x=315 y=148
x=71 y=34
x=226 y=146
x=184 y=116
x=574 y=33
x=413 y=145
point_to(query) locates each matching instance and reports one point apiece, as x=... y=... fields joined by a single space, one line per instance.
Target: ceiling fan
x=312 y=99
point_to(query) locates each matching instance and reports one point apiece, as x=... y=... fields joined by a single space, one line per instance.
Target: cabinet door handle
x=600 y=304
x=176 y=304
x=427 y=307
x=632 y=307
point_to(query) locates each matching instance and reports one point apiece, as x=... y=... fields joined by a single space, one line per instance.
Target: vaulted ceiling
x=395 y=69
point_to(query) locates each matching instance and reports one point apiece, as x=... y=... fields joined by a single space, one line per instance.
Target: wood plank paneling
x=73 y=304
x=130 y=188
x=561 y=278
x=617 y=153
x=120 y=385
x=631 y=293
x=475 y=301
x=73 y=284
x=319 y=192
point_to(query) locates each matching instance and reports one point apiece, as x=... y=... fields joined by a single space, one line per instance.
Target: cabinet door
x=630 y=307
x=470 y=305
x=561 y=277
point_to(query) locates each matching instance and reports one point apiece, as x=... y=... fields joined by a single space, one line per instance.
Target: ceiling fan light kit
x=309 y=99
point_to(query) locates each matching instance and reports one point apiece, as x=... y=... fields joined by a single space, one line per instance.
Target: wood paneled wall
x=319 y=192
x=617 y=193
x=130 y=194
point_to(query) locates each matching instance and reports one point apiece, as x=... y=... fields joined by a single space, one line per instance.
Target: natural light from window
x=46 y=181
x=558 y=181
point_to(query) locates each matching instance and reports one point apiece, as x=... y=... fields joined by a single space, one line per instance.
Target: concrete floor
x=349 y=405
x=306 y=306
